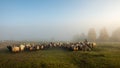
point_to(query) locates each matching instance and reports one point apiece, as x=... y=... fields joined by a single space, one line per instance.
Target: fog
x=56 y=20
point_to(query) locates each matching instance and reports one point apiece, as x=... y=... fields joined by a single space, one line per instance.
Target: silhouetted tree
x=116 y=35
x=103 y=35
x=92 y=34
x=76 y=37
x=79 y=37
x=82 y=36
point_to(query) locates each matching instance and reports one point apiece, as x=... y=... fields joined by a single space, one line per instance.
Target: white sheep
x=22 y=47
x=15 y=49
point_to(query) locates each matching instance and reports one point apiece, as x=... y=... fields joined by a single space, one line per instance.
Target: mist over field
x=59 y=33
x=56 y=20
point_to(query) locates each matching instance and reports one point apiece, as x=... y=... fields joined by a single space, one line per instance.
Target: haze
x=56 y=19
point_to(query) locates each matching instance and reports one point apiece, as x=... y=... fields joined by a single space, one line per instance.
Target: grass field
x=105 y=55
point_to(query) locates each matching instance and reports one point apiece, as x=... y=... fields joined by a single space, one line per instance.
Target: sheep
x=50 y=45
x=93 y=44
x=86 y=47
x=9 y=48
x=37 y=47
x=27 y=47
x=42 y=47
x=15 y=49
x=75 y=48
x=54 y=45
x=22 y=47
x=31 y=48
x=46 y=46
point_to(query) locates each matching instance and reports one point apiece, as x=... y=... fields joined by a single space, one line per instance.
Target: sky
x=56 y=19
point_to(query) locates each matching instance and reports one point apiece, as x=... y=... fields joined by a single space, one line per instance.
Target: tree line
x=103 y=35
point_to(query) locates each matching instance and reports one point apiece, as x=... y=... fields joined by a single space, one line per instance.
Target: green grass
x=105 y=55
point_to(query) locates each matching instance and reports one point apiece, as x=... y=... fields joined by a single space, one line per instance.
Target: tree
x=103 y=35
x=79 y=37
x=76 y=37
x=92 y=34
x=82 y=36
x=116 y=35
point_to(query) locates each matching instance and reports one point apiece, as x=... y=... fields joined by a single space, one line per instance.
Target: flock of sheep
x=76 y=46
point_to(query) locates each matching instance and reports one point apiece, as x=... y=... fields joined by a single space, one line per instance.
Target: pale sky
x=58 y=19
